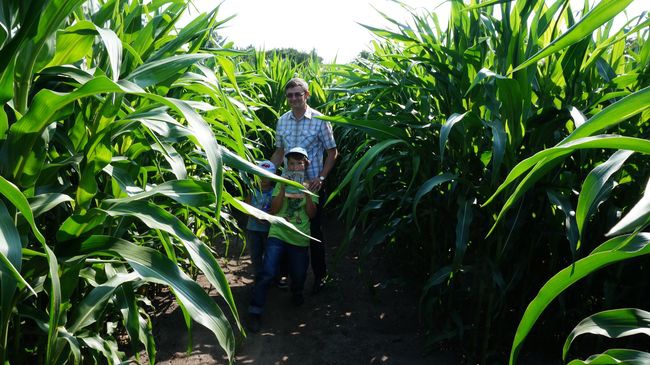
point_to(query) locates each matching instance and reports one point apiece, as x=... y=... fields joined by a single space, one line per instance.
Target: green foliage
x=475 y=125
x=121 y=157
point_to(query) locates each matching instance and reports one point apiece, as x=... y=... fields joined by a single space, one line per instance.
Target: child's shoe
x=283 y=283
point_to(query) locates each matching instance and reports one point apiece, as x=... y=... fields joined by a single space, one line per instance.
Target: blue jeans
x=257 y=242
x=298 y=264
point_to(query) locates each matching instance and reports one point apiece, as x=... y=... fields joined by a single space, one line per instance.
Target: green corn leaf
x=543 y=161
x=363 y=162
x=603 y=12
x=486 y=3
x=155 y=72
x=159 y=122
x=206 y=139
x=235 y=161
x=190 y=192
x=376 y=129
x=88 y=311
x=610 y=116
x=546 y=156
x=389 y=35
x=593 y=186
x=483 y=74
x=578 y=118
x=151 y=266
x=73 y=43
x=637 y=218
x=74 y=344
x=228 y=67
x=436 y=279
x=102 y=346
x=569 y=218
x=499 y=145
x=26 y=32
x=429 y=185
x=16 y=197
x=625 y=247
x=138 y=324
x=113 y=46
x=78 y=225
x=10 y=264
x=25 y=135
x=446 y=129
x=55 y=305
x=262 y=215
x=613 y=115
x=616 y=356
x=173 y=158
x=44 y=202
x=25 y=147
x=196 y=28
x=157 y=218
x=36 y=52
x=615 y=323
x=464 y=217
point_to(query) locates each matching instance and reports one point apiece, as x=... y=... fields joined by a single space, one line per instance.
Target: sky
x=331 y=27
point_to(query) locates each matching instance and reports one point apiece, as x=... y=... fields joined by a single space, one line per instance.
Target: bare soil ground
x=361 y=317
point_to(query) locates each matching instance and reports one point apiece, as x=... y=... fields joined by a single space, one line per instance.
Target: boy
x=297 y=210
x=256 y=230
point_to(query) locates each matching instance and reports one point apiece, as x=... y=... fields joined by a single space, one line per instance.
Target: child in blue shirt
x=257 y=231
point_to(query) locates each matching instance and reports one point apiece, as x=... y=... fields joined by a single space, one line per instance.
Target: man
x=300 y=127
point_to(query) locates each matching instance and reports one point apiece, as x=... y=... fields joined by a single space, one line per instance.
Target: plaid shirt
x=310 y=133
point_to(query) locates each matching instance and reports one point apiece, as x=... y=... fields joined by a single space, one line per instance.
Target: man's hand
x=315 y=185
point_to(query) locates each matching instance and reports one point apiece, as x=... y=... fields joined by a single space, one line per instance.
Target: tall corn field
x=500 y=160
x=488 y=155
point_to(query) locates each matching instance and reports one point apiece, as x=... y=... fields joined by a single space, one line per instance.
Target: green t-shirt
x=293 y=210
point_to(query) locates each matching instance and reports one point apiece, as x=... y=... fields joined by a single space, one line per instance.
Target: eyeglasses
x=295 y=95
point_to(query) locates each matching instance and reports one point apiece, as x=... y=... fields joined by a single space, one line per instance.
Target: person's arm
x=310 y=207
x=278 y=200
x=330 y=158
x=278 y=157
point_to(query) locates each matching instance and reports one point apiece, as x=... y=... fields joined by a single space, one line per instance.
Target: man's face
x=296 y=97
x=296 y=164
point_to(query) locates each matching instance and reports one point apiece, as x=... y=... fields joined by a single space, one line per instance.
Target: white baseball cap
x=298 y=150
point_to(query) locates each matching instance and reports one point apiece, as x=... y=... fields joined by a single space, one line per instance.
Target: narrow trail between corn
x=362 y=317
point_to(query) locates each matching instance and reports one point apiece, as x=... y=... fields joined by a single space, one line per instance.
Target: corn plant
x=435 y=118
x=121 y=157
x=627 y=242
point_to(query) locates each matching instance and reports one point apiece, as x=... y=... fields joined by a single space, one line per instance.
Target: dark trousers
x=298 y=263
x=256 y=240
x=317 y=249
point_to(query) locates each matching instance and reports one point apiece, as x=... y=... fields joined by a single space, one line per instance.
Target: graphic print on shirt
x=293 y=209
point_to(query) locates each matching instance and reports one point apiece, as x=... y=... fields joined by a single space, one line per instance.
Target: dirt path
x=355 y=320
